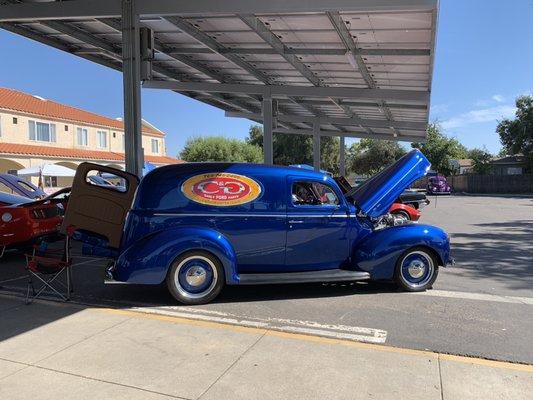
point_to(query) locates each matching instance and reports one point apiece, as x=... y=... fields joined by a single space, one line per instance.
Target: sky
x=484 y=60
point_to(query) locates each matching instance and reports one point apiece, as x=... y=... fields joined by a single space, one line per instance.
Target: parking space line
x=354 y=333
x=476 y=296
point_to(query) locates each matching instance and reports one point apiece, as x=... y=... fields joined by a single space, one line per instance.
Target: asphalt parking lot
x=480 y=307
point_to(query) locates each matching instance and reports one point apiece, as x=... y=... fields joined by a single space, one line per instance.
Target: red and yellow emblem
x=221 y=189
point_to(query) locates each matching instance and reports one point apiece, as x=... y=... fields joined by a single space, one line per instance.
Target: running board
x=331 y=275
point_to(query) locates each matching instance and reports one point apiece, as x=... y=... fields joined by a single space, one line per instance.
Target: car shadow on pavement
x=502 y=252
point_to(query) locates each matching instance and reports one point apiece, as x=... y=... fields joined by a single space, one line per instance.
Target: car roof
x=238 y=168
x=13 y=199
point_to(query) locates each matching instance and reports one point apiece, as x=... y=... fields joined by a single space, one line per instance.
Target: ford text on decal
x=221 y=189
x=201 y=226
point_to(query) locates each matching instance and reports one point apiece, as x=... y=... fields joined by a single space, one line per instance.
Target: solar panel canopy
x=357 y=69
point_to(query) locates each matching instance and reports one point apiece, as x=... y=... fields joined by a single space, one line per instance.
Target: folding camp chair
x=48 y=267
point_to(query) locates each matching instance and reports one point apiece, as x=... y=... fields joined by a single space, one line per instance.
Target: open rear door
x=99 y=201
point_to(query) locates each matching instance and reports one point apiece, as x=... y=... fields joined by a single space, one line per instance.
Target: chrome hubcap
x=416 y=269
x=196 y=276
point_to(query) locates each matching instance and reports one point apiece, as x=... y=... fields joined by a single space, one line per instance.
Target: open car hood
x=376 y=195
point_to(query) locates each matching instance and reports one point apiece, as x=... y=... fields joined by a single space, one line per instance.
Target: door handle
x=296 y=221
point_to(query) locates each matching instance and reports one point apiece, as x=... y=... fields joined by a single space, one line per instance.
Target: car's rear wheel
x=196 y=277
x=416 y=269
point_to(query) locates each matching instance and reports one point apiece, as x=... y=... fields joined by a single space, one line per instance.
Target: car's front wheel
x=416 y=269
x=196 y=277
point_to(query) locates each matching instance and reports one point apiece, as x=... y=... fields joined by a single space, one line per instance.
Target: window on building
x=41 y=131
x=123 y=143
x=15 y=120
x=82 y=137
x=155 y=146
x=114 y=135
x=66 y=128
x=313 y=194
x=101 y=139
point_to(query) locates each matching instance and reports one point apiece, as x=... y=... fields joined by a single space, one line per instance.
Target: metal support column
x=268 y=126
x=342 y=157
x=316 y=146
x=131 y=78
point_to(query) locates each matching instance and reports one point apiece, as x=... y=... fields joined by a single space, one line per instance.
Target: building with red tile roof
x=36 y=131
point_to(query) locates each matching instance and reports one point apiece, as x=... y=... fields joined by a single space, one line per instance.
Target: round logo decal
x=221 y=189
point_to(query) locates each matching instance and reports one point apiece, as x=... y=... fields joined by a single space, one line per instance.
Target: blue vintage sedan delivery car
x=200 y=226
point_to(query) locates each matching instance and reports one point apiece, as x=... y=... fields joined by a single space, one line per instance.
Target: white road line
x=477 y=296
x=354 y=333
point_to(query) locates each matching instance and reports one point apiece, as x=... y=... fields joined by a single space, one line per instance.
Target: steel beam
x=351 y=114
x=268 y=126
x=60 y=10
x=415 y=96
x=324 y=120
x=353 y=103
x=214 y=97
x=342 y=156
x=354 y=134
x=316 y=146
x=188 y=28
x=269 y=37
x=303 y=51
x=82 y=9
x=355 y=58
x=131 y=76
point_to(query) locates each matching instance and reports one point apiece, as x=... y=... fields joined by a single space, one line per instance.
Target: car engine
x=389 y=220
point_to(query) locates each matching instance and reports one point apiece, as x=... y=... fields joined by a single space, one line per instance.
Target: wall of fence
x=505 y=184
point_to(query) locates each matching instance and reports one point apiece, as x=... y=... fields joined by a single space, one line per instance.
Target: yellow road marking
x=321 y=340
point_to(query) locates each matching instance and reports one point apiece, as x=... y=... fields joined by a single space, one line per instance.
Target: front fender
x=377 y=253
x=147 y=260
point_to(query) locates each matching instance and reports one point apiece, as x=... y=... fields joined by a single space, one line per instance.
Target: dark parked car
x=438 y=185
x=12 y=184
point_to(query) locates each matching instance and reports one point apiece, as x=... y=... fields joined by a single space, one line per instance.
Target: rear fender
x=377 y=253
x=147 y=260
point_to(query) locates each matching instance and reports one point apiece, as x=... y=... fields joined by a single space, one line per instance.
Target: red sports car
x=404 y=211
x=22 y=220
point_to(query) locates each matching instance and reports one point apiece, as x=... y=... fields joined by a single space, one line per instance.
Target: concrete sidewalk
x=54 y=351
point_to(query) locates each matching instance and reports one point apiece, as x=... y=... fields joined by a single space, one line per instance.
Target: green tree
x=298 y=149
x=440 y=149
x=370 y=156
x=481 y=159
x=516 y=135
x=217 y=148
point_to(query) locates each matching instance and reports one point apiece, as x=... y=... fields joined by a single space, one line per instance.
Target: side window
x=313 y=194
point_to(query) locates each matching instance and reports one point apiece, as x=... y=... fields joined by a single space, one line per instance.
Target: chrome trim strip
x=250 y=215
x=219 y=215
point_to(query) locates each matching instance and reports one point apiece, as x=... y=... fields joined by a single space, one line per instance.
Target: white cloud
x=498 y=98
x=439 y=108
x=479 y=116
